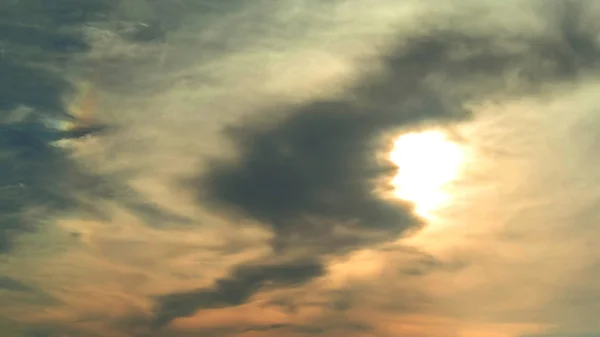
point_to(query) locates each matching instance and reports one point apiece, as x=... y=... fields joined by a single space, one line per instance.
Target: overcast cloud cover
x=228 y=170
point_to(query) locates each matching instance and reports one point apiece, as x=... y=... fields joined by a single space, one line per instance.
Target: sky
x=299 y=168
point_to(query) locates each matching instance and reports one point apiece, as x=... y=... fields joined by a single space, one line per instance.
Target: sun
x=427 y=163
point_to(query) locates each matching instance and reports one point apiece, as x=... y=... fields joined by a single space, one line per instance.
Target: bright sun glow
x=427 y=162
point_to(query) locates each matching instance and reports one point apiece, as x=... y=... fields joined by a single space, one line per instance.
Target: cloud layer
x=242 y=183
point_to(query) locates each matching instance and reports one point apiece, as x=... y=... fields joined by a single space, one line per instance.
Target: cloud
x=39 y=179
x=309 y=171
x=283 y=114
x=31 y=168
x=317 y=162
x=13 y=285
x=236 y=289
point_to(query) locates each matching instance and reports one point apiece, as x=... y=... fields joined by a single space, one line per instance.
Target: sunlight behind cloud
x=427 y=161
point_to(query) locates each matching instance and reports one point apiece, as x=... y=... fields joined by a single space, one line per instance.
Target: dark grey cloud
x=307 y=171
x=24 y=81
x=25 y=291
x=37 y=175
x=236 y=289
x=34 y=174
x=37 y=39
x=234 y=329
x=350 y=327
x=52 y=331
x=11 y=284
x=314 y=169
x=151 y=20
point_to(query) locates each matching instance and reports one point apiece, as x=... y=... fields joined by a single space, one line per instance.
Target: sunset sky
x=297 y=168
